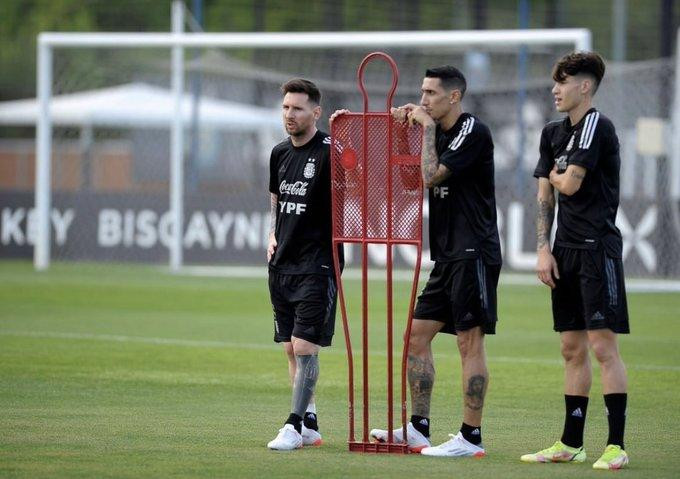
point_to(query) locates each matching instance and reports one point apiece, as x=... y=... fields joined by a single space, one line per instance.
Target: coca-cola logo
x=298 y=188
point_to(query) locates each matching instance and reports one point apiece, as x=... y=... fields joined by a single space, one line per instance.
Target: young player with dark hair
x=301 y=275
x=460 y=295
x=579 y=157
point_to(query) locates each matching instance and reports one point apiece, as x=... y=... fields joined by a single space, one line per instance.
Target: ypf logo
x=441 y=192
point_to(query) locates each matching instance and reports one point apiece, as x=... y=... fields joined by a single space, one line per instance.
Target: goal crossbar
x=580 y=37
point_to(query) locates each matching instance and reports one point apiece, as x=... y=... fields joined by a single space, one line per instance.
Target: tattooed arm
x=271 y=246
x=546 y=266
x=433 y=172
x=569 y=182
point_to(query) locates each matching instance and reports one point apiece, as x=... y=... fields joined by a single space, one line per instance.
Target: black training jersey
x=300 y=176
x=463 y=207
x=587 y=218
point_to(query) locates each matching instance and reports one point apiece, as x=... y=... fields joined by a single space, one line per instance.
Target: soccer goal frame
x=580 y=38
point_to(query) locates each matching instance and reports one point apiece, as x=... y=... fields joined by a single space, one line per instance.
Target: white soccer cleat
x=416 y=441
x=287 y=439
x=310 y=437
x=457 y=446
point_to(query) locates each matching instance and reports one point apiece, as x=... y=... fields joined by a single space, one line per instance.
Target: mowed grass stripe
x=275 y=347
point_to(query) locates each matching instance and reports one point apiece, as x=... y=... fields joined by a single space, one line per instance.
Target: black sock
x=574 y=420
x=422 y=424
x=616 y=415
x=472 y=434
x=310 y=421
x=296 y=421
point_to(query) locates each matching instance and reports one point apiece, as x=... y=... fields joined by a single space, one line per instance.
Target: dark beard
x=297 y=133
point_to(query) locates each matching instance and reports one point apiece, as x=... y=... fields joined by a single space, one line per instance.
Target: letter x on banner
x=377 y=195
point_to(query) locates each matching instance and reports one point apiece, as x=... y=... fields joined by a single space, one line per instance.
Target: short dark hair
x=451 y=78
x=579 y=63
x=300 y=85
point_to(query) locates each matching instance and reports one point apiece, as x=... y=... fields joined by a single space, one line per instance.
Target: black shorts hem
x=322 y=342
x=615 y=329
x=319 y=341
x=488 y=327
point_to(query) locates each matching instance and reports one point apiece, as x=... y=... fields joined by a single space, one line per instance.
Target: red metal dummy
x=377 y=196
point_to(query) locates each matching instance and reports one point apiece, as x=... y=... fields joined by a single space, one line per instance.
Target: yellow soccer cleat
x=558 y=452
x=613 y=458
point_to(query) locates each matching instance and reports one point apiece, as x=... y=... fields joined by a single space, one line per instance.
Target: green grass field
x=111 y=371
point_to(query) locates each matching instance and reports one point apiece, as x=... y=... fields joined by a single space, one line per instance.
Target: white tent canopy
x=139 y=105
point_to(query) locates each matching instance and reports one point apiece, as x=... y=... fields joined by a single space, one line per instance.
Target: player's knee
x=574 y=352
x=418 y=343
x=290 y=353
x=288 y=348
x=463 y=344
x=304 y=348
x=470 y=343
x=604 y=351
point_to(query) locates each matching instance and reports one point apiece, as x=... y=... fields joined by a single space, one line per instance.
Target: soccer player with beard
x=301 y=275
x=579 y=157
x=460 y=295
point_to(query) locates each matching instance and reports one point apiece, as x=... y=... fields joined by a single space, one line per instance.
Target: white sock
x=311 y=408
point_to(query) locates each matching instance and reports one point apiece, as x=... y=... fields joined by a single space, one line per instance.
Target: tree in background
x=22 y=20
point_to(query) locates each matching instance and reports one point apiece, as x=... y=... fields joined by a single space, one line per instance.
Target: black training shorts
x=304 y=307
x=461 y=294
x=590 y=293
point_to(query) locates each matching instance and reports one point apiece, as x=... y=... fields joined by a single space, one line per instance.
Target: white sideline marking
x=633 y=285
x=138 y=339
x=274 y=347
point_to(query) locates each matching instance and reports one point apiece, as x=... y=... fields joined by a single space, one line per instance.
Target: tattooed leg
x=475 y=374
x=474 y=394
x=421 y=381
x=420 y=365
x=306 y=374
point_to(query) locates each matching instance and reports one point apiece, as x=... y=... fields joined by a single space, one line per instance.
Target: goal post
x=675 y=136
x=178 y=41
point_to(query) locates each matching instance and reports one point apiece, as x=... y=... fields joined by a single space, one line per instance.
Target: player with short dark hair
x=301 y=275
x=450 y=78
x=579 y=157
x=460 y=295
x=300 y=85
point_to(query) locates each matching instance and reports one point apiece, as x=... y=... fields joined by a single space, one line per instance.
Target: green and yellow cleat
x=558 y=452
x=613 y=458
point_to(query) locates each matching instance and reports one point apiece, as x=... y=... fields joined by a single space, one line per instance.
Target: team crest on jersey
x=571 y=142
x=310 y=168
x=561 y=163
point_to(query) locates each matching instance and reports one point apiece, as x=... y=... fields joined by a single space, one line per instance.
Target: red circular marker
x=348 y=159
